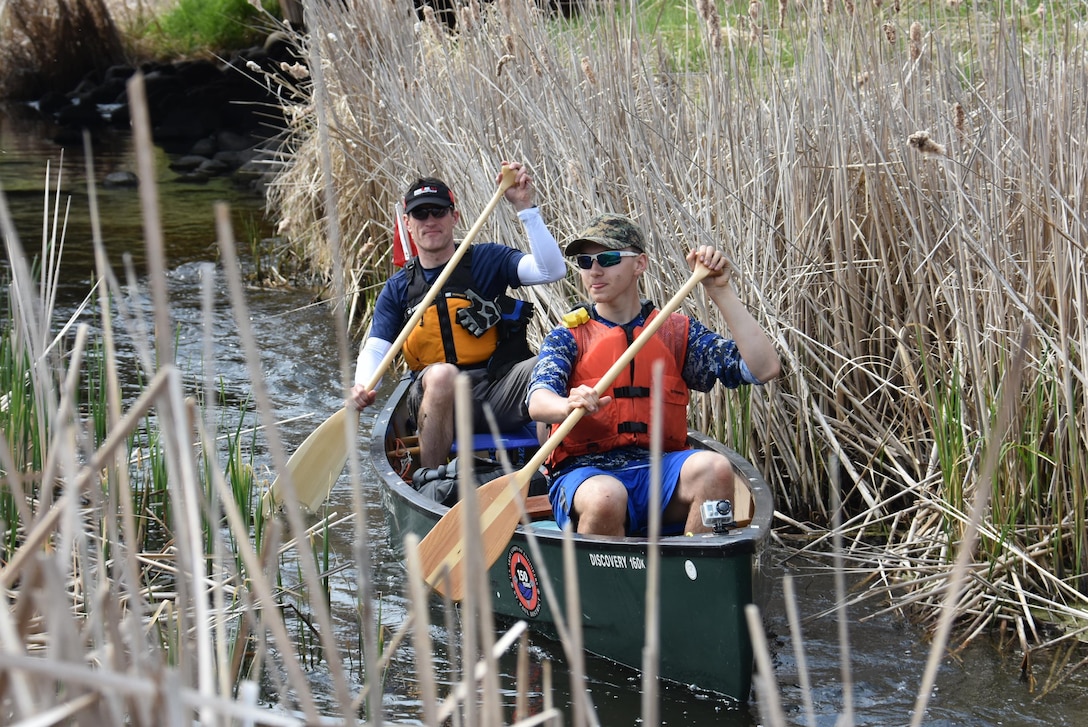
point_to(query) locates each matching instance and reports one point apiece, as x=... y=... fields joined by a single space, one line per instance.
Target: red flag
x=404 y=248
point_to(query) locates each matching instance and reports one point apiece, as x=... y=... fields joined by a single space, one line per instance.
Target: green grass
x=215 y=25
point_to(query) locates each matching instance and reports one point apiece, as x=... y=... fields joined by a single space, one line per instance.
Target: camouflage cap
x=612 y=231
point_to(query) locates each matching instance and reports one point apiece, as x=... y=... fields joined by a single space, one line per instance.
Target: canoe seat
x=742 y=503
x=519 y=445
x=538 y=507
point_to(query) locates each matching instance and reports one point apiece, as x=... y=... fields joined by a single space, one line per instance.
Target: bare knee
x=717 y=480
x=438 y=380
x=600 y=504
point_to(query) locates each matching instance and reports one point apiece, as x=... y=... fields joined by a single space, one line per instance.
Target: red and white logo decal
x=523 y=581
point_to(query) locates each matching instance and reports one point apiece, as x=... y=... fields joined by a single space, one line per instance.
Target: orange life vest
x=625 y=420
x=439 y=337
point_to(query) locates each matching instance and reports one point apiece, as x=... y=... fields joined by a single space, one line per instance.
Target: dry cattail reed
x=587 y=71
x=502 y=62
x=915 y=40
x=959 y=119
x=920 y=140
x=755 y=10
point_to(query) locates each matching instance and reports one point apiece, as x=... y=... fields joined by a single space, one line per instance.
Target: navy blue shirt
x=494 y=270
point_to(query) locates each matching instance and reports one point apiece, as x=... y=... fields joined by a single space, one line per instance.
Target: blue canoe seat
x=519 y=445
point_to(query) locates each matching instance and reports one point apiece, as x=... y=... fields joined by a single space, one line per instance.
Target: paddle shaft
x=508 y=177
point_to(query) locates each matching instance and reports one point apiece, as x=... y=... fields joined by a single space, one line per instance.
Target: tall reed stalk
x=895 y=184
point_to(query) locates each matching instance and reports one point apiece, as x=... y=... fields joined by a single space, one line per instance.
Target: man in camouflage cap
x=599 y=474
x=610 y=231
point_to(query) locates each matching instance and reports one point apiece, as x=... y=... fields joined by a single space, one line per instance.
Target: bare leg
x=601 y=505
x=704 y=476
x=435 y=418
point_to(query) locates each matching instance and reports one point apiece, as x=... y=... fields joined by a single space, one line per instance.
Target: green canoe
x=705 y=580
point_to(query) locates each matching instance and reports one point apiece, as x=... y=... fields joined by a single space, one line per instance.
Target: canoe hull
x=705 y=581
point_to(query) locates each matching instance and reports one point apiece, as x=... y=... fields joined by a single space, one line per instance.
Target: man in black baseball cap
x=472 y=326
x=428 y=191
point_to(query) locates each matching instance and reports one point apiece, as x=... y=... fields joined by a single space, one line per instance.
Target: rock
x=120 y=179
x=80 y=115
x=206 y=147
x=188 y=163
x=212 y=167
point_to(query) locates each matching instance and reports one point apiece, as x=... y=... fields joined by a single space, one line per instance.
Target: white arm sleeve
x=370 y=355
x=544 y=263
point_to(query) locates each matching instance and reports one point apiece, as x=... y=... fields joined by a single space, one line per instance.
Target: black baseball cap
x=428 y=191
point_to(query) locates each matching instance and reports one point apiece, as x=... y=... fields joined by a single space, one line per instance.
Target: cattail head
x=920 y=140
x=849 y=6
x=508 y=43
x=862 y=79
x=889 y=32
x=829 y=5
x=915 y=40
x=502 y=62
x=470 y=17
x=708 y=11
x=587 y=71
x=755 y=9
x=296 y=70
x=783 y=5
x=959 y=118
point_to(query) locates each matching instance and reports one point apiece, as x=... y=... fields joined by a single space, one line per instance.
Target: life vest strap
x=631 y=392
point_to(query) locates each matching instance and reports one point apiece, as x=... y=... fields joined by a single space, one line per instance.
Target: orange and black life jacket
x=440 y=338
x=625 y=420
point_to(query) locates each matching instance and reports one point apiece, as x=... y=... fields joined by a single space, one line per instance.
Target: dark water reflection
x=300 y=368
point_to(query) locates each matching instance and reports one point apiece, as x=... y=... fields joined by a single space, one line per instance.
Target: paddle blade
x=317 y=463
x=443 y=549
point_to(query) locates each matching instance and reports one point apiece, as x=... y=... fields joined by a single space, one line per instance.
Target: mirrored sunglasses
x=422 y=213
x=604 y=259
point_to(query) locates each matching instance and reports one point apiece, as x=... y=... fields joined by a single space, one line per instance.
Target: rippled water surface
x=980 y=686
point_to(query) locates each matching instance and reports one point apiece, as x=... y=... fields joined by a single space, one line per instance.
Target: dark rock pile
x=213 y=117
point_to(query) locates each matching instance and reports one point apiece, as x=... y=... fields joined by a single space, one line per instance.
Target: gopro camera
x=717 y=515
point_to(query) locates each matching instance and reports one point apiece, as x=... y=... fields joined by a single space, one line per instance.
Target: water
x=887 y=655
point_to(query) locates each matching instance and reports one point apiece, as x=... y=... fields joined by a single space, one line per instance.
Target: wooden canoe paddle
x=319 y=460
x=442 y=550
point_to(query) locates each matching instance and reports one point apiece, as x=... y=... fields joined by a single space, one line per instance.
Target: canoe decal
x=523 y=581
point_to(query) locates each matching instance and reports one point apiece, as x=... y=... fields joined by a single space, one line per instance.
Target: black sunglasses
x=604 y=259
x=422 y=213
